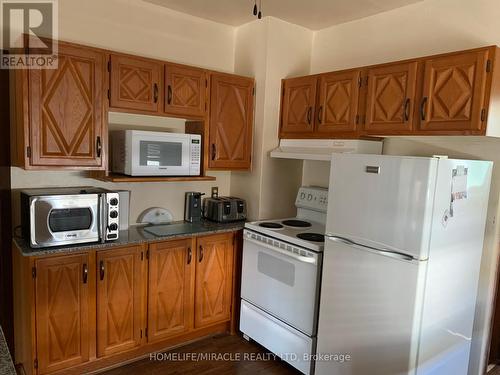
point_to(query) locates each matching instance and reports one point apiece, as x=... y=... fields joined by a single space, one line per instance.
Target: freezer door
x=370 y=308
x=382 y=201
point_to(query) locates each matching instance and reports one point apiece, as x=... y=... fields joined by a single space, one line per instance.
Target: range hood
x=322 y=149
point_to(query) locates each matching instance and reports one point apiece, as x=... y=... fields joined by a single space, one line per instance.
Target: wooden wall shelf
x=116 y=177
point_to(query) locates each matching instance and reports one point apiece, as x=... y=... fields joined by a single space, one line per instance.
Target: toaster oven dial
x=113 y=214
x=113 y=226
x=113 y=201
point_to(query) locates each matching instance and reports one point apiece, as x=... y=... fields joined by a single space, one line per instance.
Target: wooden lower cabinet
x=63 y=297
x=170 y=295
x=79 y=312
x=214 y=270
x=120 y=299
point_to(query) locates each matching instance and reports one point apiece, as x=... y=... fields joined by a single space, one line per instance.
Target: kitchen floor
x=221 y=346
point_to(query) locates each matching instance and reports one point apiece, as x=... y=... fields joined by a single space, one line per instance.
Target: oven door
x=64 y=219
x=160 y=155
x=281 y=279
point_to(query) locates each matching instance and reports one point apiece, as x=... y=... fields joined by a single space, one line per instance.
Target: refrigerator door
x=383 y=201
x=370 y=311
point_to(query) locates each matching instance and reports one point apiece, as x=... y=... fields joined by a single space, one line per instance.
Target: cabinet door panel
x=185 y=91
x=62 y=312
x=213 y=279
x=171 y=277
x=135 y=83
x=454 y=91
x=119 y=299
x=231 y=122
x=66 y=110
x=298 y=107
x=391 y=98
x=338 y=104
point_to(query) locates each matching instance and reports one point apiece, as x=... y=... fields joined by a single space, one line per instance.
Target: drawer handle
x=101 y=270
x=422 y=108
x=169 y=94
x=98 y=147
x=201 y=254
x=85 y=273
x=190 y=255
x=406 y=109
x=155 y=92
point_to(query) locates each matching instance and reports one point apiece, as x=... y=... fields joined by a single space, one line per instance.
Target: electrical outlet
x=215 y=191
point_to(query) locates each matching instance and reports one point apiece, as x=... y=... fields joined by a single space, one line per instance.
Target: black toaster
x=224 y=209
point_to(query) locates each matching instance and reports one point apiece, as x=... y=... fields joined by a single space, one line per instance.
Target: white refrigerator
x=401 y=264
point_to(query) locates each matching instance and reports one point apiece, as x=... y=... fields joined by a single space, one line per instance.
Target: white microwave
x=145 y=153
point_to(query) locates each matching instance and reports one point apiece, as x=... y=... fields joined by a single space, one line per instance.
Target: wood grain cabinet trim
x=391 y=98
x=135 y=83
x=62 y=311
x=170 y=296
x=214 y=267
x=120 y=300
x=66 y=106
x=185 y=91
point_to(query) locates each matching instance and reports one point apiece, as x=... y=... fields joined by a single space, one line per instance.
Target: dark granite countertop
x=138 y=234
x=6 y=365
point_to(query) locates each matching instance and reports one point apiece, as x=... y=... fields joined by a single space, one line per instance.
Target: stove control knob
x=302 y=195
x=309 y=197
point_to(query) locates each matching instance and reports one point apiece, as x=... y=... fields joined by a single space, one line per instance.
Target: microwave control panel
x=195 y=155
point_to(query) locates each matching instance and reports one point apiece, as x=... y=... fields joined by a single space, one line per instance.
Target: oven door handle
x=300 y=258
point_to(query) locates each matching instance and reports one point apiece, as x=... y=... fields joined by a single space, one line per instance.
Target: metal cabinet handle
x=320 y=113
x=101 y=270
x=422 y=108
x=190 y=255
x=85 y=273
x=309 y=115
x=169 y=94
x=155 y=92
x=201 y=254
x=98 y=147
x=214 y=151
x=406 y=108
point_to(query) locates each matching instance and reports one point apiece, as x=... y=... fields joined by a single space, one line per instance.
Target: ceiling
x=313 y=14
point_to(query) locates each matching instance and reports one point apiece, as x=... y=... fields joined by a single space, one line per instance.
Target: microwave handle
x=103 y=214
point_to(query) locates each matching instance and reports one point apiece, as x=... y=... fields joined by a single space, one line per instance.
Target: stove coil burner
x=296 y=223
x=271 y=225
x=313 y=237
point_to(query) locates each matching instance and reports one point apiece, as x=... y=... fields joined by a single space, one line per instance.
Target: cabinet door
x=62 y=311
x=454 y=92
x=391 y=98
x=298 y=106
x=171 y=281
x=231 y=122
x=120 y=299
x=135 y=83
x=338 y=103
x=67 y=109
x=214 y=271
x=185 y=91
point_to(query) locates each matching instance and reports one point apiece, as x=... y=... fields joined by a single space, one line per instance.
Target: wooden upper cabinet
x=298 y=105
x=454 y=90
x=66 y=110
x=185 y=91
x=391 y=98
x=214 y=279
x=338 y=102
x=171 y=282
x=231 y=122
x=135 y=84
x=63 y=295
x=120 y=299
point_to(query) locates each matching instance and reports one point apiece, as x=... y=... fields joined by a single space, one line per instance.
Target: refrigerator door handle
x=386 y=252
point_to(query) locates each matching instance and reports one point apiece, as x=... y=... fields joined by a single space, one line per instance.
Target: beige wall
x=270 y=50
x=428 y=27
x=147 y=30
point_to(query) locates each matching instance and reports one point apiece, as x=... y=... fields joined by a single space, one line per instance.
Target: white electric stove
x=281 y=272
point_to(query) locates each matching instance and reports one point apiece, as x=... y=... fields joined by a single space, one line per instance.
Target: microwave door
x=157 y=156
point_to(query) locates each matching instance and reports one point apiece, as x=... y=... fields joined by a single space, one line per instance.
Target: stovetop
x=298 y=231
